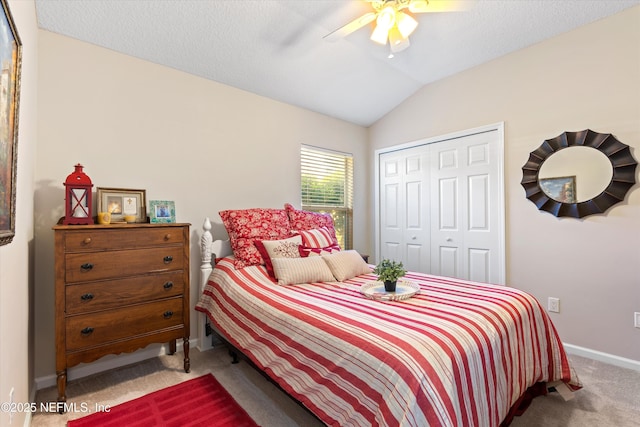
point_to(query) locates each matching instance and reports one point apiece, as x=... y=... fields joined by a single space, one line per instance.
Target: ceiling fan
x=393 y=22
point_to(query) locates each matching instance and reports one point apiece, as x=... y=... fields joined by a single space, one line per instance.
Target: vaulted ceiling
x=277 y=49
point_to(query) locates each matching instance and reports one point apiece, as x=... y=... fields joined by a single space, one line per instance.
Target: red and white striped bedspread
x=457 y=354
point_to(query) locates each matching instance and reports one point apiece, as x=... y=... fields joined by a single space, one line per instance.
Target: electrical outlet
x=636 y=319
x=553 y=305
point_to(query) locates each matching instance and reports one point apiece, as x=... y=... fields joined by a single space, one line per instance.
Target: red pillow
x=245 y=226
x=306 y=220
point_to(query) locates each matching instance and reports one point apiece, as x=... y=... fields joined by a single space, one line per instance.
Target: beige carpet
x=611 y=396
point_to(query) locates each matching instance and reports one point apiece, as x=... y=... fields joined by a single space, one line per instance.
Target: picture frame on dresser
x=162 y=211
x=122 y=201
x=11 y=57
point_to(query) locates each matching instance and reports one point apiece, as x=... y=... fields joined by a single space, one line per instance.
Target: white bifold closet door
x=404 y=208
x=441 y=206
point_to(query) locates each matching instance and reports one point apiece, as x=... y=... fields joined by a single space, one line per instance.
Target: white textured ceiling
x=275 y=48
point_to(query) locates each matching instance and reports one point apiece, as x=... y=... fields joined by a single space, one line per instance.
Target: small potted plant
x=389 y=272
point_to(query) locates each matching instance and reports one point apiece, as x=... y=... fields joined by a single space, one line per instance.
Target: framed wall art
x=162 y=211
x=11 y=61
x=121 y=202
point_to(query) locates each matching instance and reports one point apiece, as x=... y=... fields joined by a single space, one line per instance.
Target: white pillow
x=291 y=271
x=346 y=265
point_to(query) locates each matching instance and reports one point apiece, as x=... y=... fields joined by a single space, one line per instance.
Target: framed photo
x=561 y=189
x=11 y=60
x=121 y=201
x=162 y=211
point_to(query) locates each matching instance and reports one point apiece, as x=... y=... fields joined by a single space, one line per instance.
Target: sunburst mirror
x=562 y=192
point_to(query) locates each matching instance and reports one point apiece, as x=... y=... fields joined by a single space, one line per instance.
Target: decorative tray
x=404 y=290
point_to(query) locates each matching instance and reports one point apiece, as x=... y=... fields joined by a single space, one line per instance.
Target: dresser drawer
x=127 y=238
x=82 y=267
x=88 y=330
x=93 y=296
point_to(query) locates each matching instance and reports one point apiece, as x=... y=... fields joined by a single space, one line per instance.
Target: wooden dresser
x=119 y=288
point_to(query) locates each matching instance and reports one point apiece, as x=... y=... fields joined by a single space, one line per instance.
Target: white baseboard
x=603 y=357
x=84 y=370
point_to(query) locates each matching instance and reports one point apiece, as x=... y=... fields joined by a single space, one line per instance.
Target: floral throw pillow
x=305 y=220
x=246 y=226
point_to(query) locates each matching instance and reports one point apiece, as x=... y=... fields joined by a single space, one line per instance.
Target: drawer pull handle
x=167 y=314
x=168 y=259
x=167 y=236
x=86 y=297
x=168 y=285
x=87 y=331
x=87 y=267
x=87 y=240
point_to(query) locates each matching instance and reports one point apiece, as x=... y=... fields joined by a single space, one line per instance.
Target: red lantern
x=78 y=198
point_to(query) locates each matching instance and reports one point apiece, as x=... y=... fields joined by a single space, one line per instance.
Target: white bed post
x=206 y=241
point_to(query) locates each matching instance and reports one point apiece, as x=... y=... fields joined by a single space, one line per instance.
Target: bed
x=457 y=353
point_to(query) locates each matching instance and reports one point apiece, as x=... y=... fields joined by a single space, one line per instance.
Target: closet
x=440 y=205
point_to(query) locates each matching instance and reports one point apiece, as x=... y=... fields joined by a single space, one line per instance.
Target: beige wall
x=587 y=78
x=206 y=146
x=16 y=259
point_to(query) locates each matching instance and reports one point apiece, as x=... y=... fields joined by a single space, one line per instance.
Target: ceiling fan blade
x=352 y=26
x=432 y=6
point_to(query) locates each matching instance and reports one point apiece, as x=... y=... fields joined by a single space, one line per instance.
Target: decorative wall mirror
x=584 y=173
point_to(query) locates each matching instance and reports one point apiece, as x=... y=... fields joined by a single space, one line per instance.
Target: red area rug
x=198 y=402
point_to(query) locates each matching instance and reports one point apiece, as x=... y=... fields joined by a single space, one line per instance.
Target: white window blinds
x=327 y=187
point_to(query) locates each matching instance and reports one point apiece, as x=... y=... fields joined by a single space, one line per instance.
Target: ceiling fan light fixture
x=386 y=17
x=380 y=35
x=397 y=41
x=406 y=24
x=384 y=22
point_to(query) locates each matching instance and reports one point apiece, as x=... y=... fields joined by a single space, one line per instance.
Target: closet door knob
x=449 y=239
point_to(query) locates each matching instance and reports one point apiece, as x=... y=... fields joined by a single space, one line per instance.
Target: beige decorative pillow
x=291 y=271
x=284 y=248
x=346 y=265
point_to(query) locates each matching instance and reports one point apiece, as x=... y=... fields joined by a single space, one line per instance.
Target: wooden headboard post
x=209 y=249
x=206 y=240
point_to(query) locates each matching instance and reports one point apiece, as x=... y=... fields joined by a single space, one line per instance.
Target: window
x=327 y=187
